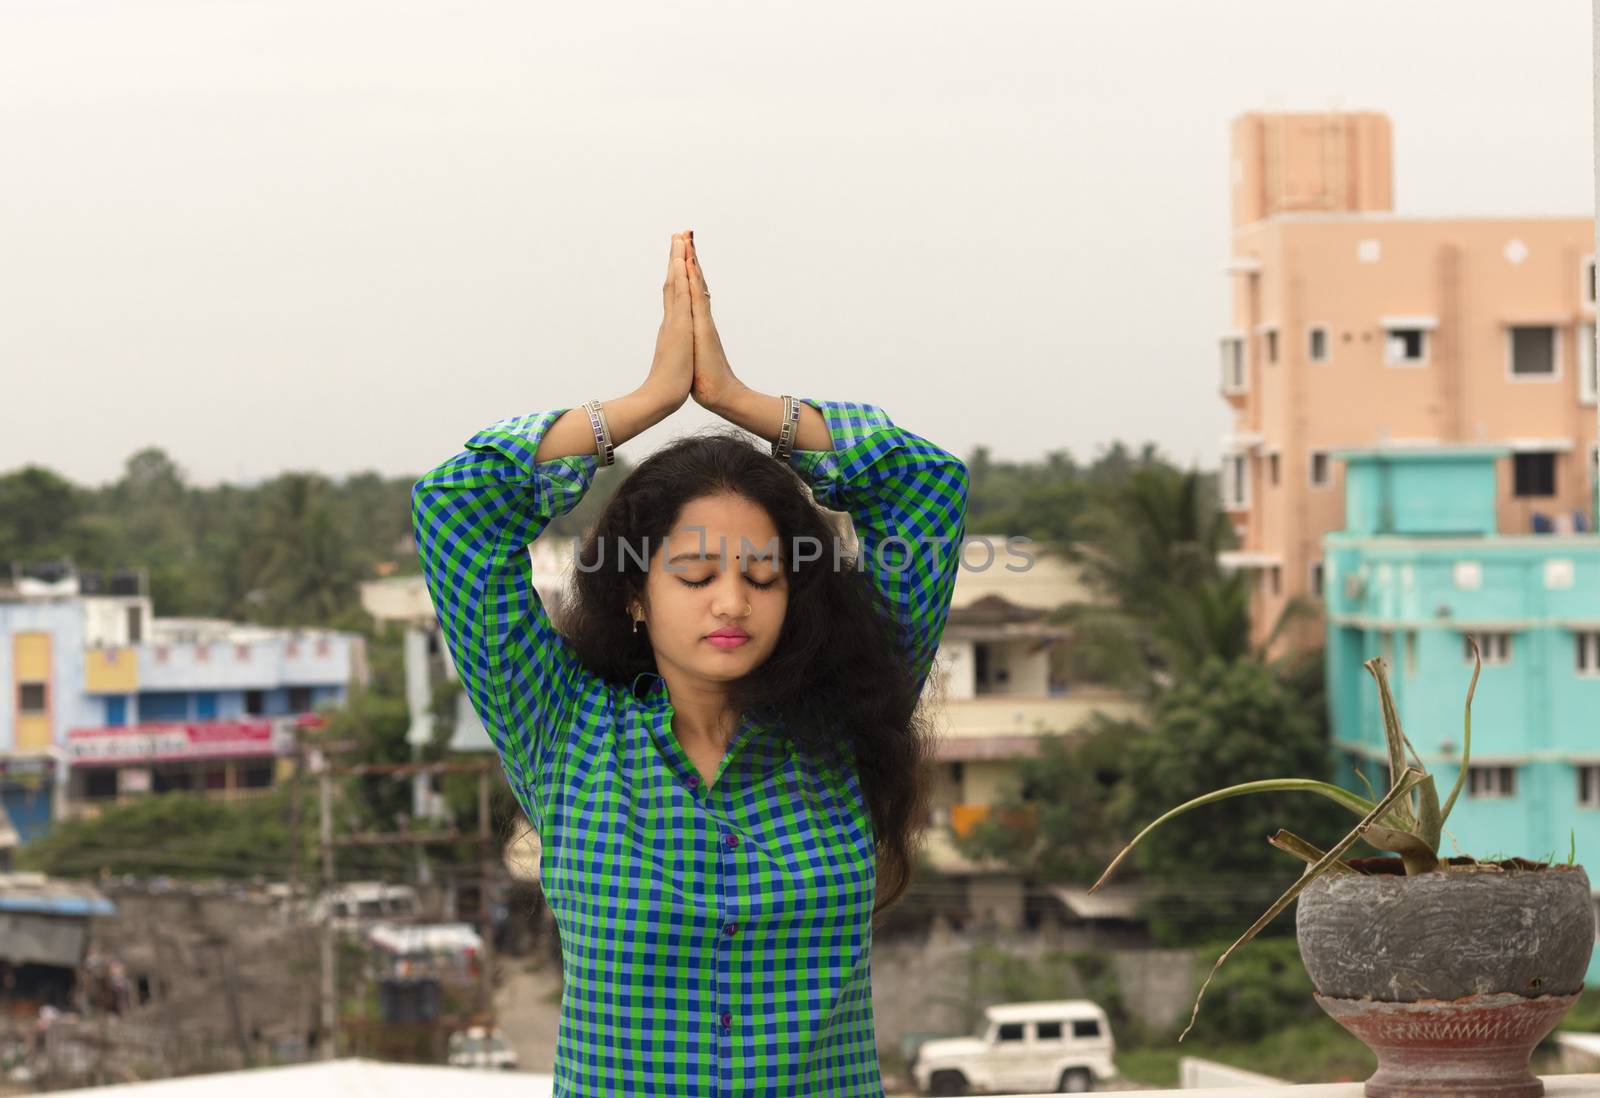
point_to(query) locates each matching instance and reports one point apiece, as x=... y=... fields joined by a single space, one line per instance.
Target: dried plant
x=1407 y=820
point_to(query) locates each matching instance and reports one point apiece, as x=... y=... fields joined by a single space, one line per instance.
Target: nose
x=729 y=600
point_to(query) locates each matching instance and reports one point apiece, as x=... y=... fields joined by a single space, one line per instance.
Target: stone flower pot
x=1450 y=978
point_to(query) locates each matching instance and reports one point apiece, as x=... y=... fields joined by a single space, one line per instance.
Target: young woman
x=721 y=752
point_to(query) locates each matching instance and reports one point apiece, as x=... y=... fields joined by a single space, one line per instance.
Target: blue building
x=1418 y=568
x=105 y=701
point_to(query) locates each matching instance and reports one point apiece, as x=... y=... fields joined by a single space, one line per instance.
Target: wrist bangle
x=791 y=424
x=602 y=432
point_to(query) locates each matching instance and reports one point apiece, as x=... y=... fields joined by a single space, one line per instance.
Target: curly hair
x=836 y=684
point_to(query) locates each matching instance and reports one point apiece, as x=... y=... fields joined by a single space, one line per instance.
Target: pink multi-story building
x=1354 y=327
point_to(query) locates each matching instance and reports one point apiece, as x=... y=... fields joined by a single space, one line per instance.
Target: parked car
x=1022 y=1048
x=481 y=1047
x=361 y=904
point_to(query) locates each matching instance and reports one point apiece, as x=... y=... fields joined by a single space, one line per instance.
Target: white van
x=1022 y=1048
x=482 y=1047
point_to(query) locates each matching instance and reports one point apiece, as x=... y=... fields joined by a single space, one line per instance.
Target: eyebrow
x=716 y=556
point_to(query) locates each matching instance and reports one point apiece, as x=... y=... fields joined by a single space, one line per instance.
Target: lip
x=728 y=638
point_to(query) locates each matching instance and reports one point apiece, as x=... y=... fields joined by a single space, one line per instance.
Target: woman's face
x=720 y=568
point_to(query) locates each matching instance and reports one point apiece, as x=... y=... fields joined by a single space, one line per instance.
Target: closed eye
x=708 y=579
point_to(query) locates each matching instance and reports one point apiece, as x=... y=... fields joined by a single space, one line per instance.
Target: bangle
x=791 y=423
x=602 y=432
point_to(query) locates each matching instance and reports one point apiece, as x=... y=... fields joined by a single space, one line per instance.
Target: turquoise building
x=1418 y=568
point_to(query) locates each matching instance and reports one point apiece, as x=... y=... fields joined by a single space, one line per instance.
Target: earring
x=637 y=618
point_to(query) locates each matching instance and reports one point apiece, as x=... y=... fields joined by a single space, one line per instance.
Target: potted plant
x=1450 y=970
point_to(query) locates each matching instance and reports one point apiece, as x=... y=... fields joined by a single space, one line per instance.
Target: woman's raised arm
x=475 y=515
x=906 y=496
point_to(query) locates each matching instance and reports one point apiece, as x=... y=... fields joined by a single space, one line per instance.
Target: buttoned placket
x=727 y=844
x=727 y=899
x=708 y=818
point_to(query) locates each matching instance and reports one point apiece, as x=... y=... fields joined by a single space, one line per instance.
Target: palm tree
x=1150 y=551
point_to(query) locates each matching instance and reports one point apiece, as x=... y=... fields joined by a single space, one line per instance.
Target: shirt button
x=727 y=1020
x=731 y=841
x=694 y=780
x=731 y=929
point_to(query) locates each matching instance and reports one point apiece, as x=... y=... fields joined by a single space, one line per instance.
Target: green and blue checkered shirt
x=715 y=940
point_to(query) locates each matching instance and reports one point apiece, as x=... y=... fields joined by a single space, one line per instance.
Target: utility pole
x=485 y=914
x=296 y=797
x=483 y=837
x=330 y=984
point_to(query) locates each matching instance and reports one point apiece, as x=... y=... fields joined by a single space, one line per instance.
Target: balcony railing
x=999 y=715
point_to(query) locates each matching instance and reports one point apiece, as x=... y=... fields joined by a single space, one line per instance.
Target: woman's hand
x=714 y=382
x=672 y=370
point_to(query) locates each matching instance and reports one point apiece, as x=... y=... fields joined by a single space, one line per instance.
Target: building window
x=171 y=781
x=1319 y=469
x=1048 y=1031
x=1588 y=652
x=1317 y=344
x=1588 y=381
x=1587 y=287
x=1316 y=578
x=255 y=703
x=100 y=783
x=1533 y=474
x=1275 y=580
x=1269 y=346
x=32 y=697
x=1411 y=653
x=1272 y=468
x=135 y=624
x=1589 y=786
x=299 y=699
x=1491 y=781
x=1405 y=347
x=1493 y=647
x=255 y=776
x=1235 y=481
x=1234 y=377
x=1533 y=351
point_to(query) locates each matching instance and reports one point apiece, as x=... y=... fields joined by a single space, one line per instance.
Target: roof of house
x=37 y=894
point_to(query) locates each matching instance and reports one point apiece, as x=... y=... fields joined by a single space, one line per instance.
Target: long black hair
x=835 y=684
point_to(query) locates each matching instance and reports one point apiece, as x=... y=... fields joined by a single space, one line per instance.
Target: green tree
x=44 y=517
x=1069 y=788
x=300 y=556
x=1228 y=723
x=175 y=834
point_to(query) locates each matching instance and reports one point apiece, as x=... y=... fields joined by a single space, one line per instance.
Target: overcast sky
x=345 y=234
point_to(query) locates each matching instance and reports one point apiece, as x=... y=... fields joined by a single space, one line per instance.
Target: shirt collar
x=650 y=690
x=653 y=693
